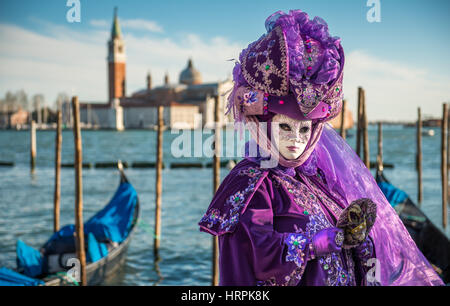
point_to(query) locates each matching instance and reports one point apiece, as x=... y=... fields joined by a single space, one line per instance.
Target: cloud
x=101 y=23
x=141 y=24
x=393 y=90
x=44 y=64
x=134 y=24
x=63 y=59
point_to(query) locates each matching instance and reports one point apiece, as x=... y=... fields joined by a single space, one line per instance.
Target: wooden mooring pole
x=33 y=145
x=365 y=134
x=380 y=146
x=57 y=194
x=344 y=109
x=79 y=227
x=419 y=158
x=158 y=187
x=216 y=183
x=444 y=164
x=359 y=121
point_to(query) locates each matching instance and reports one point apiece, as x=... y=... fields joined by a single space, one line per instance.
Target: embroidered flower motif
x=296 y=245
x=336 y=274
x=250 y=97
x=236 y=199
x=251 y=172
x=309 y=97
x=212 y=217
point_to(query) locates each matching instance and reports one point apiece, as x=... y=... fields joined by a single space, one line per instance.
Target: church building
x=184 y=102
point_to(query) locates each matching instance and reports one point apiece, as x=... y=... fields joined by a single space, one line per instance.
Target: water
x=26 y=200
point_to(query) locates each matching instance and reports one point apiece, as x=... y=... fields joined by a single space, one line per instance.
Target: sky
x=401 y=62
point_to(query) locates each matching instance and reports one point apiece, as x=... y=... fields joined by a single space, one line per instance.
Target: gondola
x=105 y=268
x=430 y=240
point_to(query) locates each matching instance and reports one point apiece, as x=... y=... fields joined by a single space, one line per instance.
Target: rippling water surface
x=26 y=199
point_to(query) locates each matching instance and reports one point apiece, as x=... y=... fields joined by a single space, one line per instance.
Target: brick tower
x=116 y=62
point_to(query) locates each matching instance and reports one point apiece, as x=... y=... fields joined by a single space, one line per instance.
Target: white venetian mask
x=290 y=136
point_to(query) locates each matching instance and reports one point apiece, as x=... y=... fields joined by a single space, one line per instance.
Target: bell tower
x=116 y=62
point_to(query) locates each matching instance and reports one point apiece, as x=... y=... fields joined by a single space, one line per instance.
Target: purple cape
x=265 y=219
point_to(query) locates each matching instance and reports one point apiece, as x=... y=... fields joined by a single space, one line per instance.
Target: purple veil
x=400 y=261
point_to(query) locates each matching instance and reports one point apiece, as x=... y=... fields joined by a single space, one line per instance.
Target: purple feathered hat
x=295 y=69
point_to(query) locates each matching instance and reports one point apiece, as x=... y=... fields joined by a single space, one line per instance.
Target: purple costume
x=280 y=225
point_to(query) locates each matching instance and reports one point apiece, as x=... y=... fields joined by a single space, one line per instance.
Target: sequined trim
x=334 y=98
x=336 y=275
x=309 y=96
x=339 y=239
x=311 y=56
x=330 y=204
x=302 y=196
x=289 y=280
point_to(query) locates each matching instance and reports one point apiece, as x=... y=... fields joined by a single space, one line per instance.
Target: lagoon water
x=26 y=200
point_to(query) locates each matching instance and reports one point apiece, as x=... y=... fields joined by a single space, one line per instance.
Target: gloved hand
x=302 y=248
x=365 y=250
x=328 y=240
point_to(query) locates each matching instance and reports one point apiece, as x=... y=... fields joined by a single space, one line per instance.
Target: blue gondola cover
x=28 y=259
x=95 y=250
x=11 y=278
x=394 y=195
x=112 y=223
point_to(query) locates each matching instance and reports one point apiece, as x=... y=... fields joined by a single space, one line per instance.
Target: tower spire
x=116 y=61
x=115 y=32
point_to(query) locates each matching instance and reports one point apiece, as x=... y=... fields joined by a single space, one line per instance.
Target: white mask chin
x=290 y=136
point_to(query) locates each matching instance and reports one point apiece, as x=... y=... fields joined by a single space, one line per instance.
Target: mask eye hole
x=285 y=127
x=304 y=130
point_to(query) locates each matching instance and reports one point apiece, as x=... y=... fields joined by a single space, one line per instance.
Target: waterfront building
x=184 y=102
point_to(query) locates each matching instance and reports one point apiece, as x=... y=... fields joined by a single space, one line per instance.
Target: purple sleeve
x=256 y=254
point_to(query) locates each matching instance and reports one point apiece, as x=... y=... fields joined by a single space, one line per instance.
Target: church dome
x=190 y=75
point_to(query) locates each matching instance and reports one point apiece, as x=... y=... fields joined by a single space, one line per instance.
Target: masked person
x=316 y=216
